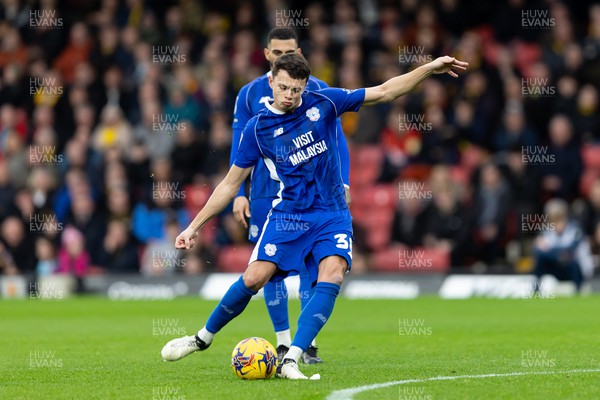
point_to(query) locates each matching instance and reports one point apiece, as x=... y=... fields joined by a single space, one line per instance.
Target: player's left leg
x=306 y=292
x=316 y=313
x=231 y=305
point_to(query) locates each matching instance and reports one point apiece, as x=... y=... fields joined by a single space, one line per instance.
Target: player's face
x=279 y=47
x=286 y=91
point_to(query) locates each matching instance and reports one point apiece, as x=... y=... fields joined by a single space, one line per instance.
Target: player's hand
x=447 y=65
x=241 y=210
x=186 y=239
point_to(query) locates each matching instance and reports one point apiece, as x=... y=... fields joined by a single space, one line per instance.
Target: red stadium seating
x=197 y=196
x=402 y=259
x=234 y=258
x=591 y=156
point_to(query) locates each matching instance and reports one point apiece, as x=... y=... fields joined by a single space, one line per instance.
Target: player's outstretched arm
x=219 y=199
x=400 y=85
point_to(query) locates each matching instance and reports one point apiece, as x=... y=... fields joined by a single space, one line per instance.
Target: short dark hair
x=284 y=33
x=294 y=64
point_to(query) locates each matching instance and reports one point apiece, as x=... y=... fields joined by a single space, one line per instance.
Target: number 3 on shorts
x=344 y=242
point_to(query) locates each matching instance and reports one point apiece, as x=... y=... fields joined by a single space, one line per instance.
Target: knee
x=333 y=271
x=254 y=280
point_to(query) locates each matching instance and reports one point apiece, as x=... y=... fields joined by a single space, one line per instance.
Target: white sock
x=284 y=338
x=205 y=335
x=314 y=343
x=294 y=353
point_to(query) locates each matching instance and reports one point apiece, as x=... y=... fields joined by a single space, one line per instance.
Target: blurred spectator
x=491 y=203
x=587 y=115
x=560 y=176
x=408 y=216
x=523 y=181
x=160 y=256
x=73 y=259
x=587 y=211
x=149 y=220
x=91 y=222
x=184 y=156
x=77 y=51
x=118 y=253
x=7 y=264
x=446 y=226
x=18 y=244
x=562 y=250
x=112 y=131
x=514 y=130
x=45 y=252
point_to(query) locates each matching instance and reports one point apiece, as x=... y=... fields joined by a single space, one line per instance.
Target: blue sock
x=276 y=298
x=315 y=314
x=306 y=290
x=230 y=306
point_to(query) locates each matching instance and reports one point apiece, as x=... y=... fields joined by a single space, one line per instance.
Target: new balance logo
x=227 y=310
x=278 y=131
x=273 y=303
x=321 y=317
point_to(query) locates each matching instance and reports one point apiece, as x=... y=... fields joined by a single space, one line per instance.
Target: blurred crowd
x=115 y=124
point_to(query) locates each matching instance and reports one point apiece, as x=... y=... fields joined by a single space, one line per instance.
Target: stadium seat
x=587 y=179
x=197 y=196
x=234 y=258
x=591 y=156
x=380 y=195
x=399 y=258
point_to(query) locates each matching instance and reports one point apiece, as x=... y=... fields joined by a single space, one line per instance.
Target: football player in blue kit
x=295 y=137
x=263 y=190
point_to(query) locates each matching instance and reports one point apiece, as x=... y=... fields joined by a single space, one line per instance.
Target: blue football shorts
x=291 y=239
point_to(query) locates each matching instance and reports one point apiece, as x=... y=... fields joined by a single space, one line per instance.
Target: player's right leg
x=276 y=298
x=231 y=305
x=275 y=293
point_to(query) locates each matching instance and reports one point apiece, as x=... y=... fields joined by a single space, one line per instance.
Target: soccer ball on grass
x=254 y=358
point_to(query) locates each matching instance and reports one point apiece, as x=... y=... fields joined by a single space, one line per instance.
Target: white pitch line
x=347 y=394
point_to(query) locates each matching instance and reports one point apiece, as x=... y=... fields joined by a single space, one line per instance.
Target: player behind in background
x=263 y=190
x=311 y=188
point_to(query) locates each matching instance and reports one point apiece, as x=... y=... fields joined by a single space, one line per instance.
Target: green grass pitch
x=93 y=348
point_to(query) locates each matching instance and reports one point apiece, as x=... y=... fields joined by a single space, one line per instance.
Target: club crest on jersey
x=270 y=249
x=265 y=100
x=278 y=131
x=313 y=114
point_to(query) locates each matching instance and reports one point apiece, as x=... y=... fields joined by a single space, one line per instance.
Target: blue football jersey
x=300 y=149
x=252 y=98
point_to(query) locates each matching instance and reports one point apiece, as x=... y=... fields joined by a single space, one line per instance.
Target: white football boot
x=181 y=347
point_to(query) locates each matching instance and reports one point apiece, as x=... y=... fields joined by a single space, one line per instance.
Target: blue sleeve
x=344 y=153
x=251 y=153
x=344 y=99
x=241 y=116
